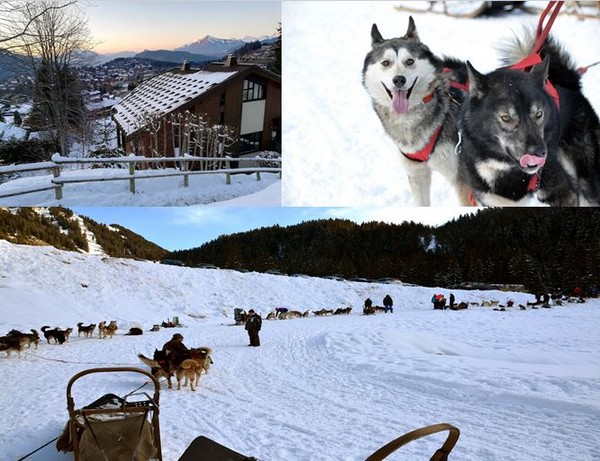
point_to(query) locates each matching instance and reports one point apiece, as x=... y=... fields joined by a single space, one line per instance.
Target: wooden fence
x=133 y=172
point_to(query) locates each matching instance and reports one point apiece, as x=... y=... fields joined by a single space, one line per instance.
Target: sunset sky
x=136 y=25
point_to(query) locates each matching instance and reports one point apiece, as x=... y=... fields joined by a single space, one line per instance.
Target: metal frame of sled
x=145 y=412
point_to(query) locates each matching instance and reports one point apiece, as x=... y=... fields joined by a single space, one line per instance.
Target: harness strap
x=541 y=35
x=424 y=154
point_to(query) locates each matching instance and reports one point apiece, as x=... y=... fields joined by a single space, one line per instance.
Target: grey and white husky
x=417 y=96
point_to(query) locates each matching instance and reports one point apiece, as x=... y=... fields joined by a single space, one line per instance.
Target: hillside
x=541 y=248
x=498 y=376
x=60 y=228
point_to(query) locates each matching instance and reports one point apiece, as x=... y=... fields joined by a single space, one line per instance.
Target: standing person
x=388 y=303
x=452 y=299
x=253 y=324
x=175 y=350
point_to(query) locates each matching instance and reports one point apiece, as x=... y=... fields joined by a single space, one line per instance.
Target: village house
x=242 y=96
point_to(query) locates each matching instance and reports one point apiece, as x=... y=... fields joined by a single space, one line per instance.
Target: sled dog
x=510 y=132
x=579 y=143
x=416 y=96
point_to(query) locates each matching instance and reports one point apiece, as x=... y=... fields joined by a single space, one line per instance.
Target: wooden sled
x=205 y=449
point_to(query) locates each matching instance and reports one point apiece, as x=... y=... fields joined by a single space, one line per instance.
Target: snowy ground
x=202 y=190
x=336 y=152
x=521 y=385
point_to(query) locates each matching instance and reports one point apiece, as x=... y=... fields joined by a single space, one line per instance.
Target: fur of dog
x=579 y=143
x=191 y=369
x=159 y=366
x=107 y=331
x=411 y=92
x=87 y=330
x=134 y=331
x=342 y=311
x=27 y=339
x=510 y=130
x=56 y=334
x=11 y=344
x=322 y=312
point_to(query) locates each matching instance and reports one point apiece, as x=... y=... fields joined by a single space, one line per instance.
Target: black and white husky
x=417 y=96
x=524 y=136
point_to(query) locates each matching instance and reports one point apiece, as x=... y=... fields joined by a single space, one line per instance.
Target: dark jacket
x=387 y=301
x=177 y=350
x=253 y=323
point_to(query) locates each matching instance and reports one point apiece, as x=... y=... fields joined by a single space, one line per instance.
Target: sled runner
x=113 y=428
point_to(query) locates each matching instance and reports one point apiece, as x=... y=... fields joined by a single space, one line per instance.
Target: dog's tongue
x=528 y=161
x=400 y=101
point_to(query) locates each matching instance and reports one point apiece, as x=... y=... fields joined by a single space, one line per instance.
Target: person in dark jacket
x=388 y=303
x=452 y=300
x=176 y=350
x=253 y=324
x=368 y=308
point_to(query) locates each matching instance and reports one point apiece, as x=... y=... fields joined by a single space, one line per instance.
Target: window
x=253 y=91
x=249 y=142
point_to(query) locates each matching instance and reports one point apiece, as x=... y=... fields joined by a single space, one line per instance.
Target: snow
x=336 y=152
x=520 y=385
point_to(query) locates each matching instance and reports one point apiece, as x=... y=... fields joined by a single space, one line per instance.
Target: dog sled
x=205 y=449
x=114 y=428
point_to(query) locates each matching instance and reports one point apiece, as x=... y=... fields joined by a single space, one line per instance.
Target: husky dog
x=510 y=131
x=579 y=143
x=417 y=96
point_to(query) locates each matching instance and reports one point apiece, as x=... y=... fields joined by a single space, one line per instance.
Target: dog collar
x=424 y=154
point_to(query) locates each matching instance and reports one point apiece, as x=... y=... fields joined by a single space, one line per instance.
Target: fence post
x=228 y=174
x=185 y=166
x=58 y=188
x=131 y=177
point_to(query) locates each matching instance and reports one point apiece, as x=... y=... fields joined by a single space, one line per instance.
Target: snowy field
x=520 y=385
x=336 y=152
x=202 y=190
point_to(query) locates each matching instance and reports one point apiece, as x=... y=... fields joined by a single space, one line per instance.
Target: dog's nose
x=399 y=81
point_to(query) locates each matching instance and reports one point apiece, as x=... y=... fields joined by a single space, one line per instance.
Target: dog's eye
x=506 y=118
x=539 y=114
x=385 y=63
x=410 y=62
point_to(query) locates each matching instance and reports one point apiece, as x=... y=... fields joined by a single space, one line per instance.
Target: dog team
x=519 y=133
x=16 y=341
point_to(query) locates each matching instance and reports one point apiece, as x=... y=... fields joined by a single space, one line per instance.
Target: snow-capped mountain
x=218 y=47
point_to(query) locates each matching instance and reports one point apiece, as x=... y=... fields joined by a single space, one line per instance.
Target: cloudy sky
x=177 y=228
x=137 y=25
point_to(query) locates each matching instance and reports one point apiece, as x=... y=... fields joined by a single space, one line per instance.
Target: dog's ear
x=376 y=37
x=476 y=81
x=540 y=71
x=411 y=32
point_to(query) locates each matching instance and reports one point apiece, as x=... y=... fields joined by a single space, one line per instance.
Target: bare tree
x=54 y=34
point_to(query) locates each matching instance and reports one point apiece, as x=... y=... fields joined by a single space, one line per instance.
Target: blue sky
x=136 y=25
x=180 y=228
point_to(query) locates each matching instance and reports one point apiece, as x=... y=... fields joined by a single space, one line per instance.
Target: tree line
x=540 y=248
x=60 y=228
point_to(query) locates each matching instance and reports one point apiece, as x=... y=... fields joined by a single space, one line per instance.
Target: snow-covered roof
x=163 y=94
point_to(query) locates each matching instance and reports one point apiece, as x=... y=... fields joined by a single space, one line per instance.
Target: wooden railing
x=133 y=172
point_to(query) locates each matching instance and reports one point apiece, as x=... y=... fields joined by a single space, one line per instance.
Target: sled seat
x=204 y=449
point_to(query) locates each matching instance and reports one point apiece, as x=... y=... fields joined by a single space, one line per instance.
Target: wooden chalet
x=245 y=97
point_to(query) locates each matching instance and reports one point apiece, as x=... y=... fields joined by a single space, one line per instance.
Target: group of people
x=388 y=305
x=440 y=302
